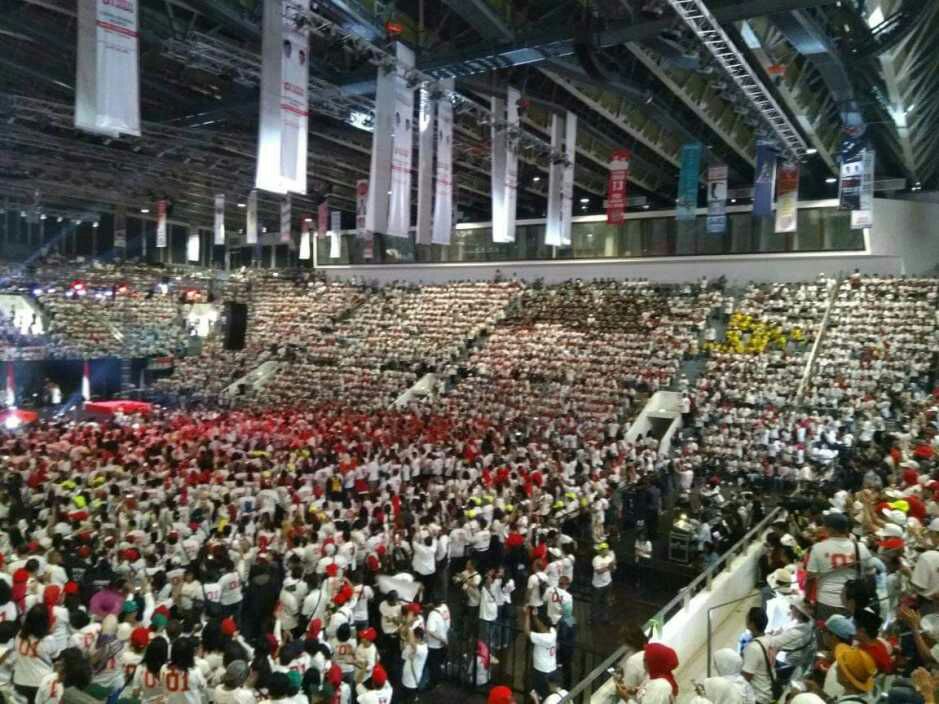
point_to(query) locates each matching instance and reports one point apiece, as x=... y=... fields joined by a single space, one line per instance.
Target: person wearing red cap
x=133 y=656
x=377 y=689
x=366 y=654
x=500 y=694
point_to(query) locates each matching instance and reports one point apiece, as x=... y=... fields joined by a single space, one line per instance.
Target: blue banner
x=688 y=181
x=764 y=183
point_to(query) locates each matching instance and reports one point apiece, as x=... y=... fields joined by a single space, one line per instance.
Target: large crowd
x=317 y=543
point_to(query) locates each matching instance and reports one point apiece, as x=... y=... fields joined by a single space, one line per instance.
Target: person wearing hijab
x=661 y=687
x=729 y=666
x=719 y=690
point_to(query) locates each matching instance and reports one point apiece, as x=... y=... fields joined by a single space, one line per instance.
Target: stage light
x=831 y=179
x=241 y=205
x=307 y=219
x=59 y=219
x=811 y=150
x=145 y=210
x=585 y=200
x=42 y=217
x=536 y=179
x=12 y=422
x=95 y=224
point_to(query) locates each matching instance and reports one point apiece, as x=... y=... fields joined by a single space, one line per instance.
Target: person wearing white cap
x=784 y=586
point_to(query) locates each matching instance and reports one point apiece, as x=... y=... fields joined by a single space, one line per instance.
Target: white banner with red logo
x=504 y=171
x=161 y=206
x=107 y=86
x=218 y=228
x=617 y=187
x=443 y=186
x=787 y=196
x=282 y=129
x=335 y=234
x=554 y=220
x=251 y=219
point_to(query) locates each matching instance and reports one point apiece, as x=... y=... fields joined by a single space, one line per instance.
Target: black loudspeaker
x=237 y=316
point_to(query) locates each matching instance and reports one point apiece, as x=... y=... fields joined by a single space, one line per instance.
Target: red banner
x=617 y=187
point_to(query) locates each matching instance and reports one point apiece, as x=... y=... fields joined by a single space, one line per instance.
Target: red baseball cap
x=500 y=695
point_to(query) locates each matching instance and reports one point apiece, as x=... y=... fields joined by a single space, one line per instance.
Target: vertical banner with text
x=617 y=188
x=688 y=182
x=787 y=197
x=443 y=183
x=193 y=244
x=567 y=180
x=717 y=199
x=251 y=219
x=764 y=181
x=218 y=229
x=282 y=128
x=322 y=220
x=425 y=166
x=864 y=215
x=553 y=220
x=361 y=206
x=107 y=85
x=161 y=206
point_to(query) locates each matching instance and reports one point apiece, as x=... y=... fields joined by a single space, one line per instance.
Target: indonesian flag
x=11 y=386
x=86 y=382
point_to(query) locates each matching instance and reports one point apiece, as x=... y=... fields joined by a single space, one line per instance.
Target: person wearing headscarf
x=719 y=690
x=729 y=666
x=661 y=687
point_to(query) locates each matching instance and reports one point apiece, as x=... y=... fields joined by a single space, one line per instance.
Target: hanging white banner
x=553 y=219
x=335 y=236
x=399 y=209
x=379 y=182
x=161 y=223
x=251 y=219
x=865 y=216
x=511 y=162
x=282 y=129
x=218 y=229
x=361 y=207
x=285 y=234
x=304 y=239
x=425 y=167
x=498 y=139
x=443 y=186
x=567 y=183
x=192 y=245
x=107 y=85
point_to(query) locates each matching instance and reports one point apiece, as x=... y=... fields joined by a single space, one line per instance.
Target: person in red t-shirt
x=868 y=626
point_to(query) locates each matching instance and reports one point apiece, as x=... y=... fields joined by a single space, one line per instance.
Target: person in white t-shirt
x=377 y=690
x=603 y=565
x=833 y=562
x=182 y=680
x=438 y=636
x=146 y=685
x=414 y=660
x=758 y=656
x=233 y=689
x=544 y=640
x=556 y=598
x=489 y=610
x=34 y=651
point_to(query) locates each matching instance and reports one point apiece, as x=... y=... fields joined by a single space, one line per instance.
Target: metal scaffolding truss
x=700 y=20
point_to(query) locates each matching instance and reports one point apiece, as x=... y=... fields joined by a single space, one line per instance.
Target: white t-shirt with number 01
x=545 y=650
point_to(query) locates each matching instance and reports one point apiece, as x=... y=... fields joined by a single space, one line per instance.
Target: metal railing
x=586 y=688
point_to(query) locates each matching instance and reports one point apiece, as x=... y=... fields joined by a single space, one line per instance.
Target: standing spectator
x=833 y=562
x=603 y=565
x=544 y=640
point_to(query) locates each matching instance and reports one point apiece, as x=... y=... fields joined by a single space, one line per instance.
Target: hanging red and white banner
x=322 y=220
x=617 y=187
x=218 y=227
x=251 y=219
x=567 y=182
x=425 y=166
x=282 y=129
x=443 y=185
x=161 y=206
x=304 y=239
x=107 y=85
x=286 y=236
x=787 y=196
x=361 y=206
